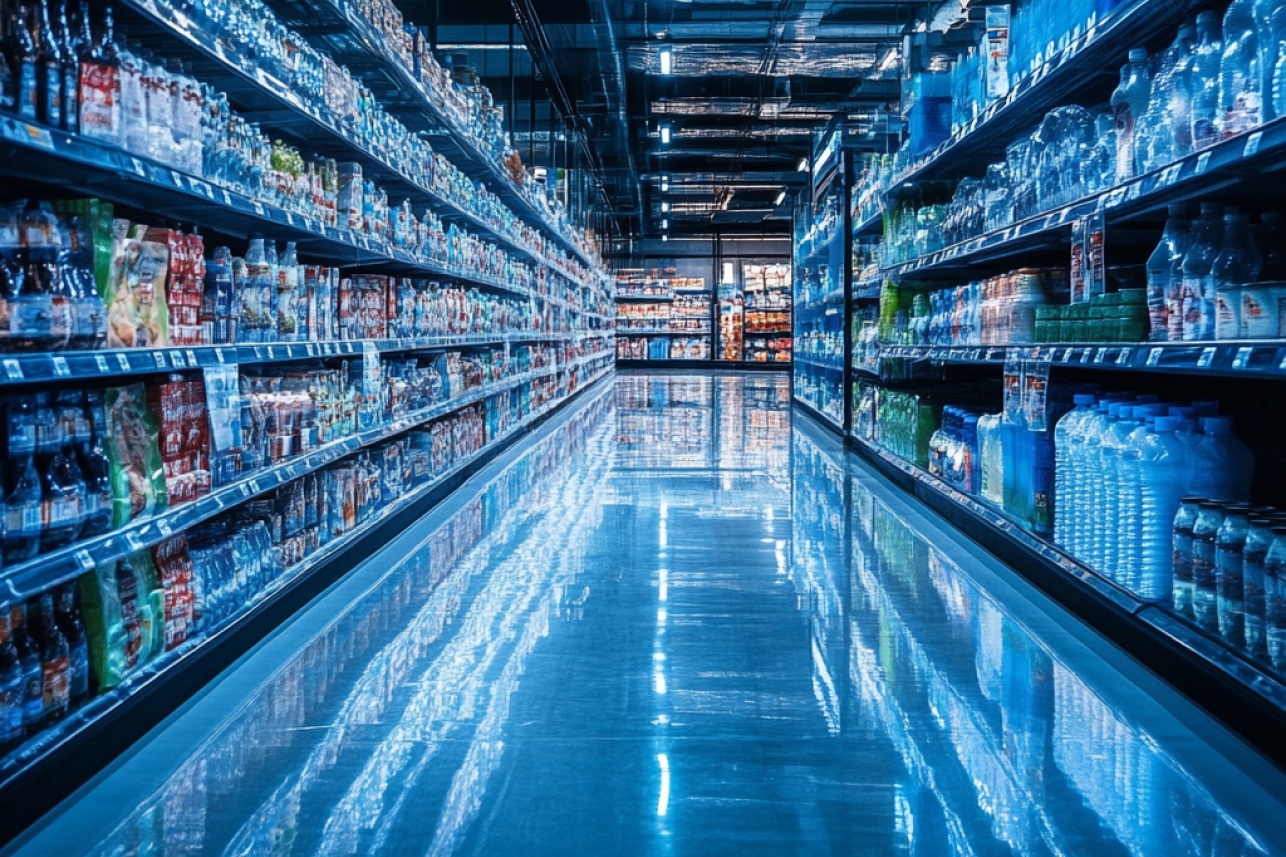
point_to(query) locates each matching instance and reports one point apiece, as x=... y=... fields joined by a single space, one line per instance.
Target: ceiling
x=749 y=83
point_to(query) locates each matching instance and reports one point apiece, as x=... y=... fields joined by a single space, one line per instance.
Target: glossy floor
x=673 y=622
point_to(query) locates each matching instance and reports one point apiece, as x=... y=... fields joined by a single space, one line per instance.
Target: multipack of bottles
x=44 y=664
x=1229 y=574
x=1209 y=278
x=1122 y=465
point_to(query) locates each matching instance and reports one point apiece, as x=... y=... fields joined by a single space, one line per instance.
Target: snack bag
x=137 y=472
x=104 y=626
x=137 y=314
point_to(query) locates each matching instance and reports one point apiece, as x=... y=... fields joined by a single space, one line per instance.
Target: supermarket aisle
x=691 y=628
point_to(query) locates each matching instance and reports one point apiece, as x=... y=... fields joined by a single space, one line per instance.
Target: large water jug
x=1203 y=81
x=1130 y=499
x=1067 y=435
x=1085 y=464
x=1240 y=80
x=1161 y=482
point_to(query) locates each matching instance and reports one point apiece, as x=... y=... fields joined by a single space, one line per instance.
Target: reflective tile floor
x=671 y=622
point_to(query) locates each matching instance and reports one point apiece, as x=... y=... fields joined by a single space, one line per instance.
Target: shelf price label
x=83 y=560
x=158 y=357
x=1123 y=358
x=122 y=360
x=1242 y=360
x=1252 y=144
x=1099 y=355
x=1207 y=357
x=1203 y=162
x=61 y=369
x=13 y=369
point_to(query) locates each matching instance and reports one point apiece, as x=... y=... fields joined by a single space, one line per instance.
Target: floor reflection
x=676 y=623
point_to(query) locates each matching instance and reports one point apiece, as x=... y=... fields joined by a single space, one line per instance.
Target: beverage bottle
x=1169 y=118
x=288 y=328
x=1210 y=517
x=1129 y=104
x=1160 y=269
x=49 y=70
x=55 y=658
x=95 y=467
x=1272 y=238
x=133 y=134
x=1234 y=464
x=1259 y=537
x=1240 y=80
x=70 y=83
x=8 y=83
x=1181 y=553
x=992 y=477
x=1066 y=436
x=1198 y=284
x=22 y=490
x=62 y=486
x=1130 y=495
x=100 y=81
x=1238 y=263
x=1117 y=494
x=1160 y=480
x=269 y=287
x=253 y=313
x=13 y=690
x=1275 y=599
x=1269 y=45
x=76 y=261
x=1084 y=466
x=67 y=618
x=1275 y=95
x=1203 y=81
x=1230 y=601
x=24 y=61
x=33 y=702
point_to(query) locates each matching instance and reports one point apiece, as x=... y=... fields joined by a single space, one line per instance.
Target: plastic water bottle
x=1240 y=80
x=1160 y=467
x=1229 y=584
x=1160 y=269
x=1210 y=517
x=1277 y=26
x=1238 y=263
x=1168 y=124
x=1066 y=436
x=993 y=462
x=1259 y=537
x=1203 y=81
x=1268 y=53
x=1109 y=511
x=1131 y=495
x=1198 y=285
x=1235 y=462
x=1129 y=104
x=1275 y=599
x=1084 y=461
x=1185 y=519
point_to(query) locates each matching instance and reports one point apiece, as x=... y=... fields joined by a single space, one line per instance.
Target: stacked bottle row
x=63 y=75
x=997 y=311
x=74 y=277
x=1209 y=279
x=1122 y=465
x=1230 y=574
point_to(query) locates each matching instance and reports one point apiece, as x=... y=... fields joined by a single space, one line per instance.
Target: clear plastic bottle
x=1160 y=269
x=1277 y=27
x=1275 y=599
x=1168 y=124
x=1130 y=502
x=1230 y=600
x=12 y=686
x=1084 y=460
x=22 y=492
x=993 y=462
x=1066 y=437
x=1181 y=554
x=1114 y=500
x=1160 y=475
x=1203 y=81
x=1240 y=81
x=1234 y=462
x=1198 y=284
x=1129 y=104
x=1210 y=517
x=1238 y=264
x=288 y=327
x=1259 y=537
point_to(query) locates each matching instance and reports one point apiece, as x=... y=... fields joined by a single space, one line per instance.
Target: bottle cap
x=1165 y=424
x=1083 y=399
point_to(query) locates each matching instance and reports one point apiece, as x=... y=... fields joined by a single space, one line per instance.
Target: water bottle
x=1197 y=320
x=1130 y=538
x=1084 y=460
x=1235 y=462
x=1277 y=95
x=1066 y=436
x=1203 y=81
x=1168 y=126
x=1275 y=599
x=1229 y=584
x=1111 y=463
x=1160 y=474
x=1259 y=537
x=1238 y=263
x=1160 y=270
x=1240 y=81
x=1181 y=554
x=1210 y=517
x=992 y=476
x=1129 y=104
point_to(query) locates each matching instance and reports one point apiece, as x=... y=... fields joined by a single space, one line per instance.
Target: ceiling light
x=729 y=277
x=802 y=166
x=781 y=197
x=665 y=206
x=667 y=59
x=665 y=185
x=665 y=134
x=665 y=224
x=665 y=237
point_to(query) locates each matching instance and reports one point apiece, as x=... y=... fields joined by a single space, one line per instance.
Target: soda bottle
x=33 y=702
x=49 y=70
x=55 y=659
x=13 y=690
x=67 y=618
x=62 y=486
x=22 y=489
x=95 y=467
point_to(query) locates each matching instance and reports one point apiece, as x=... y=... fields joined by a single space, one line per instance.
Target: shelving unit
x=661 y=316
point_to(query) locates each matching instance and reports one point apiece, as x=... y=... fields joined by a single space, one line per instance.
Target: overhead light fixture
x=665 y=206
x=665 y=134
x=802 y=166
x=667 y=59
x=665 y=185
x=781 y=197
x=665 y=237
x=665 y=224
x=729 y=277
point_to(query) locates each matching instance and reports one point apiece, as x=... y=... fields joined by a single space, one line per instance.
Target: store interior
x=644 y=427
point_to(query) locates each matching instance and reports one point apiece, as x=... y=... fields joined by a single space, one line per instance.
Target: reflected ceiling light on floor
x=802 y=166
x=781 y=197
x=665 y=134
x=667 y=59
x=663 y=804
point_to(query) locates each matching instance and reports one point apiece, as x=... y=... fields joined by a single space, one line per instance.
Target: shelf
x=812 y=362
x=1226 y=164
x=1215 y=675
x=27 y=579
x=103 y=171
x=245 y=82
x=620 y=296
x=663 y=333
x=1082 y=72
x=44 y=367
x=868 y=289
x=1237 y=359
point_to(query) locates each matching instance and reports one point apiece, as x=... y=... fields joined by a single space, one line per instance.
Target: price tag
x=1169 y=174
x=1123 y=358
x=176 y=360
x=1207 y=357
x=134 y=540
x=13 y=369
x=122 y=360
x=101 y=362
x=257 y=206
x=192 y=361
x=1242 y=360
x=83 y=559
x=1099 y=355
x=1154 y=357
x=1202 y=162
x=1085 y=355
x=1252 y=144
x=61 y=369
x=158 y=357
x=272 y=353
x=218 y=355
x=164 y=526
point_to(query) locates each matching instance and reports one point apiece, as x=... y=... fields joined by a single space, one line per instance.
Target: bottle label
x=28 y=97
x=99 y=111
x=35 y=698
x=23 y=521
x=62 y=512
x=11 y=708
x=1227 y=322
x=53 y=94
x=57 y=688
